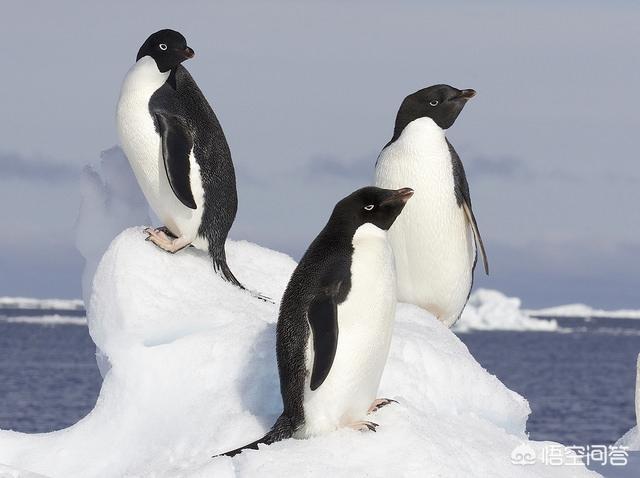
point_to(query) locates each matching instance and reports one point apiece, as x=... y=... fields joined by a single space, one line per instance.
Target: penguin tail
x=281 y=430
x=221 y=267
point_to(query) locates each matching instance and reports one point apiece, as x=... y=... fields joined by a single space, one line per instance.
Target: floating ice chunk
x=584 y=311
x=46 y=320
x=492 y=310
x=40 y=304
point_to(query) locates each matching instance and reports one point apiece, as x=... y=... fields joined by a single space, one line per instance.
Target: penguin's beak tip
x=467 y=94
x=189 y=53
x=400 y=195
x=404 y=194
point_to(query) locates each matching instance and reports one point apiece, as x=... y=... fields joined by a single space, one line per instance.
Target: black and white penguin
x=178 y=151
x=336 y=319
x=435 y=241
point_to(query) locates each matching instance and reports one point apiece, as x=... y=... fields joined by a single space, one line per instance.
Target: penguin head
x=167 y=47
x=372 y=205
x=441 y=103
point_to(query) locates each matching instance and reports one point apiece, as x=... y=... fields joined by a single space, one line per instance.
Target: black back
x=322 y=279
x=181 y=100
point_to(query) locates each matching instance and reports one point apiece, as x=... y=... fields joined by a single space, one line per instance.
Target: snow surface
x=492 y=310
x=194 y=373
x=582 y=310
x=40 y=304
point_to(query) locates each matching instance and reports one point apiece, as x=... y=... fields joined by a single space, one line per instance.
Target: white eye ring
x=369 y=207
x=433 y=103
x=163 y=46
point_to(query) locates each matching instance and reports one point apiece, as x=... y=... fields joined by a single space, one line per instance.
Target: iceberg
x=492 y=310
x=193 y=373
x=189 y=371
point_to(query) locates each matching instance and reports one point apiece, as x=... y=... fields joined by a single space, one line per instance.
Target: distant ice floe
x=583 y=311
x=492 y=310
x=40 y=304
x=46 y=320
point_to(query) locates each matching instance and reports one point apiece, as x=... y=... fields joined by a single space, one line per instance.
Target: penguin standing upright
x=434 y=241
x=336 y=318
x=178 y=151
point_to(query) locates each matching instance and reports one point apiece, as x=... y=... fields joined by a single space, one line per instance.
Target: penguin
x=435 y=241
x=178 y=151
x=335 y=322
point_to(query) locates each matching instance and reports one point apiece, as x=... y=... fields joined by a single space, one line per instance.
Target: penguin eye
x=433 y=103
x=369 y=207
x=163 y=46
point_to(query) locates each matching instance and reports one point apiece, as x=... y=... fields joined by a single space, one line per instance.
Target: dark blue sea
x=580 y=384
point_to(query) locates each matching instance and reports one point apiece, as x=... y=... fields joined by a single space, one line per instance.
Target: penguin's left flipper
x=463 y=197
x=472 y=220
x=323 y=319
x=177 y=144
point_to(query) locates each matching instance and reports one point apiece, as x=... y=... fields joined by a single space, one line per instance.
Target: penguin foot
x=364 y=426
x=165 y=242
x=167 y=232
x=379 y=403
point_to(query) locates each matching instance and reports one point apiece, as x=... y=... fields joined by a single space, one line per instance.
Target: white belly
x=365 y=324
x=432 y=240
x=142 y=146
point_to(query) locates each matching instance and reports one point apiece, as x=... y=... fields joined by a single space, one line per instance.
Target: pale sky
x=307 y=95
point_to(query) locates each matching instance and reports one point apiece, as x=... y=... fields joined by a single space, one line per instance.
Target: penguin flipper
x=323 y=319
x=463 y=198
x=176 y=148
x=476 y=233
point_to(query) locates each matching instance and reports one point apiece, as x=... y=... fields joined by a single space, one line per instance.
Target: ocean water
x=580 y=383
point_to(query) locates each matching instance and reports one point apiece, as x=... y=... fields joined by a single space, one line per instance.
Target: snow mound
x=492 y=310
x=193 y=373
x=40 y=304
x=111 y=202
x=584 y=311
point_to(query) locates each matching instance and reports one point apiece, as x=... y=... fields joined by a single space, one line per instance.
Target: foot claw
x=364 y=426
x=379 y=403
